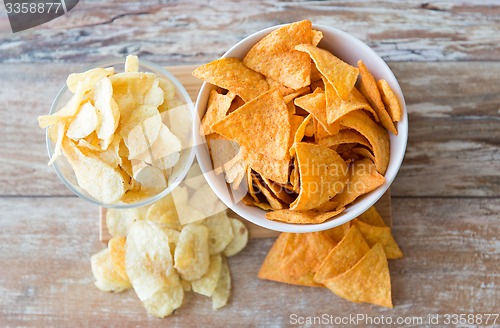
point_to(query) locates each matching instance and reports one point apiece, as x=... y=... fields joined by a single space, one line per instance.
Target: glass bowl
x=184 y=111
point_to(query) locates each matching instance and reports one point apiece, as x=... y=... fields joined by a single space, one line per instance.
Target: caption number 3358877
x=33 y=7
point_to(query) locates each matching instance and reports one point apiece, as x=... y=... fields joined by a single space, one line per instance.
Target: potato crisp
x=311 y=144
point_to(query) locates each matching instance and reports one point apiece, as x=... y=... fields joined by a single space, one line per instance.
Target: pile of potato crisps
x=112 y=134
x=350 y=260
x=161 y=259
x=292 y=122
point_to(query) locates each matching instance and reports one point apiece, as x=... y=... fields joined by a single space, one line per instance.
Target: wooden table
x=446 y=203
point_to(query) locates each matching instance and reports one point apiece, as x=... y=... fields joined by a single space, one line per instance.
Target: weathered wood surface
x=445 y=203
x=453 y=147
x=162 y=31
x=451 y=265
x=383 y=206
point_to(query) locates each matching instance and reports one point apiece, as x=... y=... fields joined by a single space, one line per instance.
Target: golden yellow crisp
x=302 y=217
x=322 y=175
x=276 y=170
x=303 y=255
x=270 y=269
x=218 y=105
x=261 y=125
x=343 y=256
x=233 y=75
x=315 y=103
x=340 y=74
x=337 y=107
x=368 y=281
x=390 y=100
x=370 y=90
x=381 y=235
x=372 y=217
x=376 y=135
x=274 y=56
x=362 y=178
x=344 y=136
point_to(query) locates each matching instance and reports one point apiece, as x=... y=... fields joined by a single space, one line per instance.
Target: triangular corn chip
x=372 y=217
x=376 y=135
x=231 y=74
x=340 y=74
x=274 y=56
x=304 y=253
x=323 y=174
x=367 y=281
x=315 y=103
x=362 y=178
x=382 y=235
x=302 y=217
x=218 y=105
x=343 y=256
x=390 y=100
x=370 y=90
x=266 y=117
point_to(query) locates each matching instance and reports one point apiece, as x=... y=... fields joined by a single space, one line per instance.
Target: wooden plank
x=163 y=31
x=257 y=232
x=451 y=251
x=453 y=122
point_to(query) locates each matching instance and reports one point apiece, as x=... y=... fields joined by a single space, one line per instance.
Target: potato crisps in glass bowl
x=120 y=134
x=304 y=127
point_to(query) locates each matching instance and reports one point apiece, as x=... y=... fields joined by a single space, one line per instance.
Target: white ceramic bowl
x=350 y=50
x=66 y=173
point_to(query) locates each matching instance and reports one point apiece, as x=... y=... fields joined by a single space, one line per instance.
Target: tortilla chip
x=315 y=103
x=275 y=55
x=266 y=117
x=299 y=92
x=323 y=174
x=367 y=281
x=233 y=75
x=362 y=178
x=372 y=217
x=218 y=105
x=344 y=256
x=338 y=233
x=376 y=135
x=270 y=269
x=302 y=217
x=340 y=74
x=390 y=100
x=299 y=133
x=249 y=201
x=237 y=103
x=345 y=136
x=271 y=199
x=370 y=90
x=337 y=107
x=316 y=37
x=273 y=84
x=381 y=235
x=303 y=255
x=364 y=153
x=222 y=151
x=276 y=170
x=278 y=190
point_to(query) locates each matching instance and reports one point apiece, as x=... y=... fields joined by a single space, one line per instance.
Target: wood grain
x=255 y=232
x=162 y=31
x=454 y=128
x=451 y=264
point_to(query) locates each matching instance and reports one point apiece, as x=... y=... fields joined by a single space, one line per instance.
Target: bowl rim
x=191 y=151
x=349 y=213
